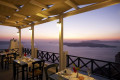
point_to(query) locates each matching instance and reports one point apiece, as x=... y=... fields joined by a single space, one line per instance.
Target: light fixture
x=7 y=17
x=17 y=33
x=49 y=6
x=34 y=21
x=30 y=30
x=17 y=10
x=29 y=23
x=43 y=9
x=16 y=22
x=58 y=24
x=21 y=6
x=25 y=18
x=44 y=18
x=28 y=16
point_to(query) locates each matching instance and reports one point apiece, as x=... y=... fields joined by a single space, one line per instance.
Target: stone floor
x=7 y=74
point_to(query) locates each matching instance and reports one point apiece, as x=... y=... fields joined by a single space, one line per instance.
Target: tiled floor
x=8 y=74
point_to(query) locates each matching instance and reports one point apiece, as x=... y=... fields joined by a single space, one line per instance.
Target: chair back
x=48 y=67
x=40 y=66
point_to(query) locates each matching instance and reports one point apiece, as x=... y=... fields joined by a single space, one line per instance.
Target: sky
x=100 y=24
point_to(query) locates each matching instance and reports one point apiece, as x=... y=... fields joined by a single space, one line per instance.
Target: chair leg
x=37 y=77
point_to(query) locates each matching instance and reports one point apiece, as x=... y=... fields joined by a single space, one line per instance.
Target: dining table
x=69 y=74
x=5 y=54
x=24 y=63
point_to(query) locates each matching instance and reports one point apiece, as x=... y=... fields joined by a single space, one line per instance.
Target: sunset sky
x=100 y=24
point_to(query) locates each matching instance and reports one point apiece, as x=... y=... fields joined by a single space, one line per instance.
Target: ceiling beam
x=1 y=16
x=41 y=15
x=38 y=4
x=8 y=5
x=70 y=3
x=9 y=21
x=19 y=15
x=92 y=7
x=84 y=9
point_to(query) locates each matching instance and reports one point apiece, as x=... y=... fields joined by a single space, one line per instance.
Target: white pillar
x=35 y=55
x=65 y=59
x=32 y=40
x=61 y=44
x=20 y=49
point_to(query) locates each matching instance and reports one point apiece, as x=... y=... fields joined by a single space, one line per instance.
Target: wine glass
x=89 y=73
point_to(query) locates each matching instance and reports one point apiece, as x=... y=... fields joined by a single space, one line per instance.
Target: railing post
x=37 y=53
x=109 y=68
x=47 y=55
x=67 y=60
x=53 y=57
x=42 y=54
x=78 y=62
x=92 y=65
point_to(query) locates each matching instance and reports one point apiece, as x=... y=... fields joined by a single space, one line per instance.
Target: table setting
x=72 y=74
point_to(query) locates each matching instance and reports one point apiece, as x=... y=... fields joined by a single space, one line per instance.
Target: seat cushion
x=36 y=72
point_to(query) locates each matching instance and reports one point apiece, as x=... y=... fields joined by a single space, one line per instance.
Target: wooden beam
x=9 y=21
x=84 y=9
x=81 y=10
x=38 y=4
x=70 y=3
x=41 y=15
x=92 y=7
x=19 y=15
x=8 y=5
x=1 y=16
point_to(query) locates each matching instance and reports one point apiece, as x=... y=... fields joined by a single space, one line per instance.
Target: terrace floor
x=8 y=74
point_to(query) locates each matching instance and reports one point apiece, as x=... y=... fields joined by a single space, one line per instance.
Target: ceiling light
x=49 y=6
x=7 y=17
x=44 y=18
x=58 y=24
x=21 y=6
x=29 y=23
x=17 y=10
x=17 y=22
x=28 y=16
x=43 y=9
x=25 y=18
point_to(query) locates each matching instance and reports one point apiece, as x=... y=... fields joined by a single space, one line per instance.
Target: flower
x=75 y=69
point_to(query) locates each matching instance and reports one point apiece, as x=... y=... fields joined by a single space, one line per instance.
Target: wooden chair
x=55 y=66
x=37 y=70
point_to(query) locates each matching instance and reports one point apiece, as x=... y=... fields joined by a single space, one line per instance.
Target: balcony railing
x=48 y=56
x=102 y=68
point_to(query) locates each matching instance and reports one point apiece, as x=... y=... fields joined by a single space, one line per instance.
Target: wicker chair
x=37 y=70
x=49 y=67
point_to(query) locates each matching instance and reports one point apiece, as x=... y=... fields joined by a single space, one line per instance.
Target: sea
x=100 y=53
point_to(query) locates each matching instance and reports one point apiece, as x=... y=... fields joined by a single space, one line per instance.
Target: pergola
x=28 y=13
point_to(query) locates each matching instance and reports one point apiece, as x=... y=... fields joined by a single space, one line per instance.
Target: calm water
x=107 y=54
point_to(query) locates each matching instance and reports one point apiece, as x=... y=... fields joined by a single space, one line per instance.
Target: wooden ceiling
x=21 y=13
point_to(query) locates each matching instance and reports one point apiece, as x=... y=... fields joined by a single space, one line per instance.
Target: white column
x=32 y=40
x=65 y=59
x=35 y=55
x=61 y=44
x=20 y=49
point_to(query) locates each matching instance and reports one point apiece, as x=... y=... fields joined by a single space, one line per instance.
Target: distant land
x=92 y=43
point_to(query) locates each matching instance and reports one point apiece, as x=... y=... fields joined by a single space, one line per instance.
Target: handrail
x=95 y=59
x=100 y=67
